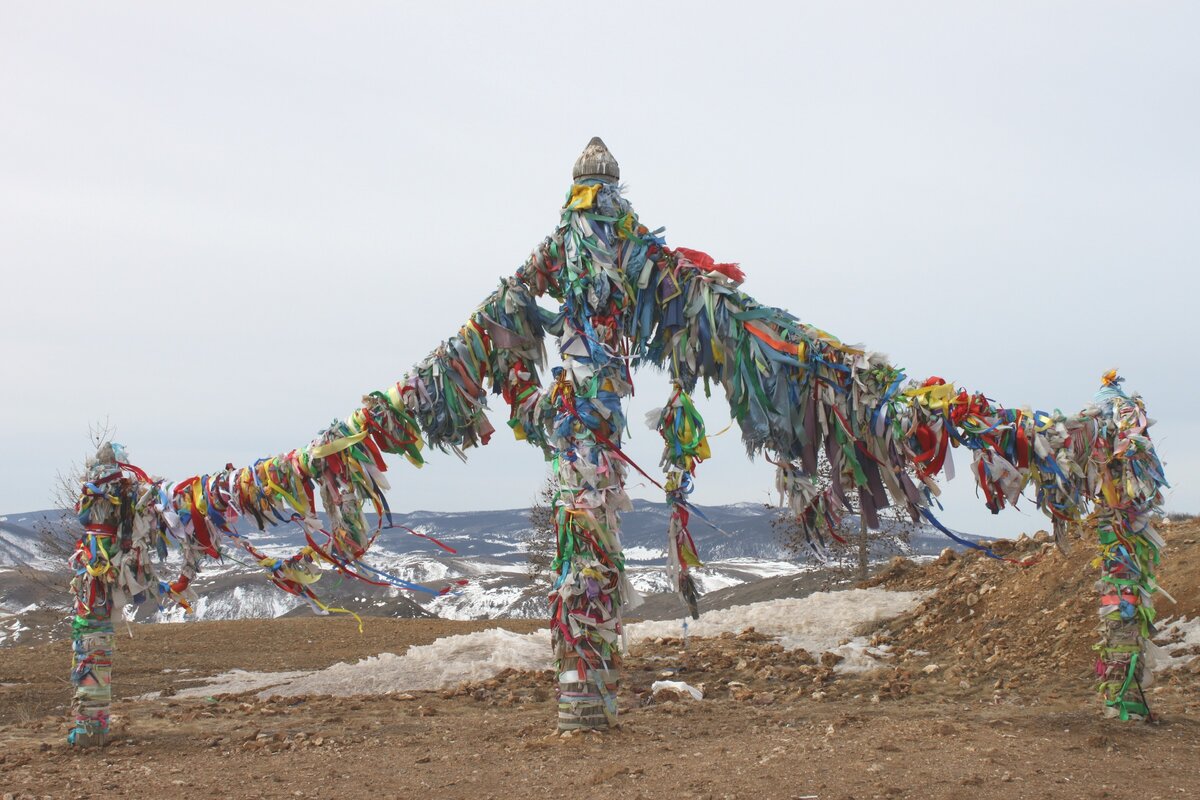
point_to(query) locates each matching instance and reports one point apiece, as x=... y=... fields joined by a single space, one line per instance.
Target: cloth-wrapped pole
x=600 y=242
x=107 y=529
x=91 y=675
x=590 y=585
x=1131 y=491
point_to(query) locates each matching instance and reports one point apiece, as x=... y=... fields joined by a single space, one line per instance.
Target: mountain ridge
x=738 y=544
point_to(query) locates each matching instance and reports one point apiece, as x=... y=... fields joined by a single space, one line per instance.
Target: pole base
x=87 y=739
x=587 y=703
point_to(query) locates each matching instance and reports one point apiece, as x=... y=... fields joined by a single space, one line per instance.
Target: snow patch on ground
x=1188 y=633
x=822 y=622
x=6 y=610
x=11 y=630
x=236 y=681
x=446 y=662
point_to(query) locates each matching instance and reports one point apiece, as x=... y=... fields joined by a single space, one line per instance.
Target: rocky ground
x=987 y=695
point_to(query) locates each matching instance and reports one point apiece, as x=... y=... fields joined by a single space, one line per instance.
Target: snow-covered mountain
x=21 y=545
x=737 y=541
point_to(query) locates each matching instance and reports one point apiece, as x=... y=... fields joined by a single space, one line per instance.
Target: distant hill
x=744 y=532
x=737 y=542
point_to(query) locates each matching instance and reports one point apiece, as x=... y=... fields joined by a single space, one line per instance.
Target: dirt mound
x=1027 y=629
x=990 y=631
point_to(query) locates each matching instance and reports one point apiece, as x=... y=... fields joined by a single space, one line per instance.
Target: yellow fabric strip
x=337 y=445
x=583 y=197
x=332 y=610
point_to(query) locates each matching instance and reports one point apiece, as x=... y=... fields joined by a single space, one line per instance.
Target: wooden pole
x=863 y=546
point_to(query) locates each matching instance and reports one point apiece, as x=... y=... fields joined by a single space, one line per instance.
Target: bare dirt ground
x=987 y=696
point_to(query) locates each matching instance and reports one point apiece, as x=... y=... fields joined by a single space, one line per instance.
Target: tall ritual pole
x=105 y=510
x=587 y=398
x=1129 y=503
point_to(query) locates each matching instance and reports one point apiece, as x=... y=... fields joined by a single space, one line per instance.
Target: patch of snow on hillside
x=649 y=580
x=748 y=507
x=18 y=551
x=242 y=602
x=640 y=553
x=476 y=600
x=711 y=577
x=410 y=567
x=711 y=580
x=760 y=567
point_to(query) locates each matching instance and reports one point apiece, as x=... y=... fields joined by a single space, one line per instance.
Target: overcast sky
x=220 y=227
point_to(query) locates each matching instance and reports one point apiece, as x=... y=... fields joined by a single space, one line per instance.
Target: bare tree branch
x=58 y=531
x=848 y=560
x=541 y=539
